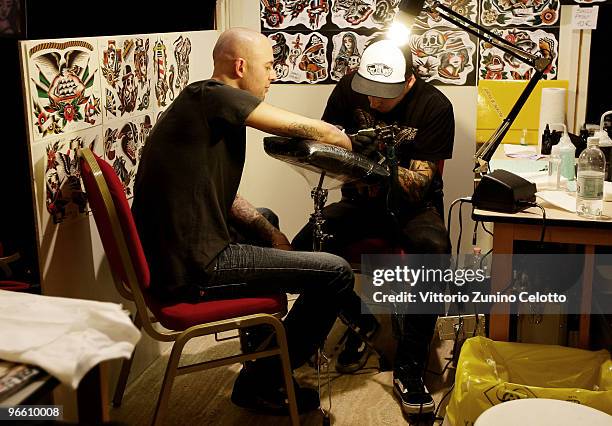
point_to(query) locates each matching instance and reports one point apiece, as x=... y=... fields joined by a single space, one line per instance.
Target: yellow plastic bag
x=490 y=372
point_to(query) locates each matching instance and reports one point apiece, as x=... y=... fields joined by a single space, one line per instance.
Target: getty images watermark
x=544 y=283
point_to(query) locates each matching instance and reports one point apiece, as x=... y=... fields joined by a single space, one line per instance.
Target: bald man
x=186 y=203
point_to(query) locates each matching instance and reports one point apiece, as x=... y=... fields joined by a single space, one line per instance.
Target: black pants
x=420 y=232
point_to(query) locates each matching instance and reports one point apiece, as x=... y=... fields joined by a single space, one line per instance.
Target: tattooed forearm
x=251 y=222
x=304 y=131
x=415 y=180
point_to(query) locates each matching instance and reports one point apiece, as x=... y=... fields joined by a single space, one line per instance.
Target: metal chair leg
x=171 y=370
x=281 y=338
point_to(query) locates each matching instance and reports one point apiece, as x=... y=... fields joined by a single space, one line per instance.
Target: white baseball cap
x=381 y=71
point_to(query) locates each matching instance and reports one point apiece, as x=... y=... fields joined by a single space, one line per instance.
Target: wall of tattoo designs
x=104 y=93
x=319 y=41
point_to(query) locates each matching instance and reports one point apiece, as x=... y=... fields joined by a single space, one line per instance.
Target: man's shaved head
x=243 y=58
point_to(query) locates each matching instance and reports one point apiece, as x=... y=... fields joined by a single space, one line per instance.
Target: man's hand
x=364 y=145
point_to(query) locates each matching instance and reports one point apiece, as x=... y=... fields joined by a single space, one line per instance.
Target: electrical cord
x=485 y=229
x=448 y=225
x=534 y=204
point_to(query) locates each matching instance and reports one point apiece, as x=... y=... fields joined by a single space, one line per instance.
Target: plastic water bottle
x=590 y=182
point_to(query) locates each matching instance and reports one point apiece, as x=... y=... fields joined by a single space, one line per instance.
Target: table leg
x=92 y=396
x=501 y=275
x=587 y=296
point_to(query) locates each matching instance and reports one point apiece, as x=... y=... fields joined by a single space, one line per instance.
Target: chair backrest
x=115 y=223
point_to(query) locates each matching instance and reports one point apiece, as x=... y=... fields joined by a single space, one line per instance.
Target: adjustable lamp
x=516 y=188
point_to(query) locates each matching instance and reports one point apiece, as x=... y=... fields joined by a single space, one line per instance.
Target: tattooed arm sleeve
x=414 y=180
x=247 y=218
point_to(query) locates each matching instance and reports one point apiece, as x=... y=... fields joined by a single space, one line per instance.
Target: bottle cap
x=477 y=250
x=592 y=140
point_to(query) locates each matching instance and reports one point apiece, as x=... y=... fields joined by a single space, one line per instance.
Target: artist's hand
x=363 y=144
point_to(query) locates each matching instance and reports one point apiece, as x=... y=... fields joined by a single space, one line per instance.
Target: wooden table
x=561 y=227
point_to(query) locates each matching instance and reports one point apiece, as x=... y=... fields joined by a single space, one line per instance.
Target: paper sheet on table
x=66 y=337
x=522 y=151
x=561 y=199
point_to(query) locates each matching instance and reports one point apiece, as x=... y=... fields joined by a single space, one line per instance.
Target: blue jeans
x=324 y=282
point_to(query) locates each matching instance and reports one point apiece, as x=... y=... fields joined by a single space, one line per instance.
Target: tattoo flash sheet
x=123 y=143
x=171 y=59
x=363 y=13
x=444 y=56
x=512 y=13
x=300 y=58
x=283 y=14
x=467 y=8
x=346 y=54
x=497 y=65
x=64 y=86
x=64 y=195
x=127 y=74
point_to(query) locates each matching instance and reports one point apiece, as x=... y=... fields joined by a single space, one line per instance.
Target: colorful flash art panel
x=64 y=86
x=497 y=65
x=171 y=56
x=127 y=71
x=363 y=13
x=510 y=13
x=346 y=54
x=467 y=8
x=300 y=58
x=123 y=143
x=282 y=14
x=64 y=196
x=444 y=56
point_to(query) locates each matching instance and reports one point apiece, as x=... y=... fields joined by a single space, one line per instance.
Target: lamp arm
x=486 y=151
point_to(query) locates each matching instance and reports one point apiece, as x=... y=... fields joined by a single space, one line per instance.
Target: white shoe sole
x=414 y=408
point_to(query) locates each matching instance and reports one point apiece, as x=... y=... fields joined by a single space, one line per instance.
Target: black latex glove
x=364 y=145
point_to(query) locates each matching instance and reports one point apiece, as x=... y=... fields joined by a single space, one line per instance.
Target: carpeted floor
x=203 y=398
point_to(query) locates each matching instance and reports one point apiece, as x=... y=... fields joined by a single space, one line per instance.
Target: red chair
x=183 y=320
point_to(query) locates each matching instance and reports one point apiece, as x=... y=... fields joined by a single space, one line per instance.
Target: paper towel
x=552 y=110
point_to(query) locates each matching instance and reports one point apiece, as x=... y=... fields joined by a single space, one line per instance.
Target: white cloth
x=66 y=337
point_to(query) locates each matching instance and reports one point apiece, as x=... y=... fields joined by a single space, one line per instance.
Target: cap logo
x=379 y=69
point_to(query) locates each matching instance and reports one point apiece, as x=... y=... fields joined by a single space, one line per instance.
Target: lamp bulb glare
x=398 y=33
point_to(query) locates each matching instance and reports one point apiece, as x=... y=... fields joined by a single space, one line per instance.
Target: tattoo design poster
x=171 y=59
x=299 y=57
x=442 y=56
x=497 y=65
x=467 y=8
x=127 y=71
x=513 y=13
x=123 y=143
x=283 y=14
x=64 y=86
x=377 y=14
x=346 y=53
x=64 y=195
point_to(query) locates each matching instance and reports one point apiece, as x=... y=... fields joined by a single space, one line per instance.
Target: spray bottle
x=567 y=152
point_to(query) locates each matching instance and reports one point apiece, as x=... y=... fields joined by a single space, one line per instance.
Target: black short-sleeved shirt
x=424 y=114
x=187 y=180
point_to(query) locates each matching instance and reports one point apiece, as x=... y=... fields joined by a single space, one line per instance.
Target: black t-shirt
x=186 y=183
x=427 y=124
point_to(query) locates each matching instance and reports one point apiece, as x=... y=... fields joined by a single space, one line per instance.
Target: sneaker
x=412 y=393
x=253 y=394
x=356 y=352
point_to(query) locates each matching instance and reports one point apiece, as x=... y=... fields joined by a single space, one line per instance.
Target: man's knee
x=344 y=278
